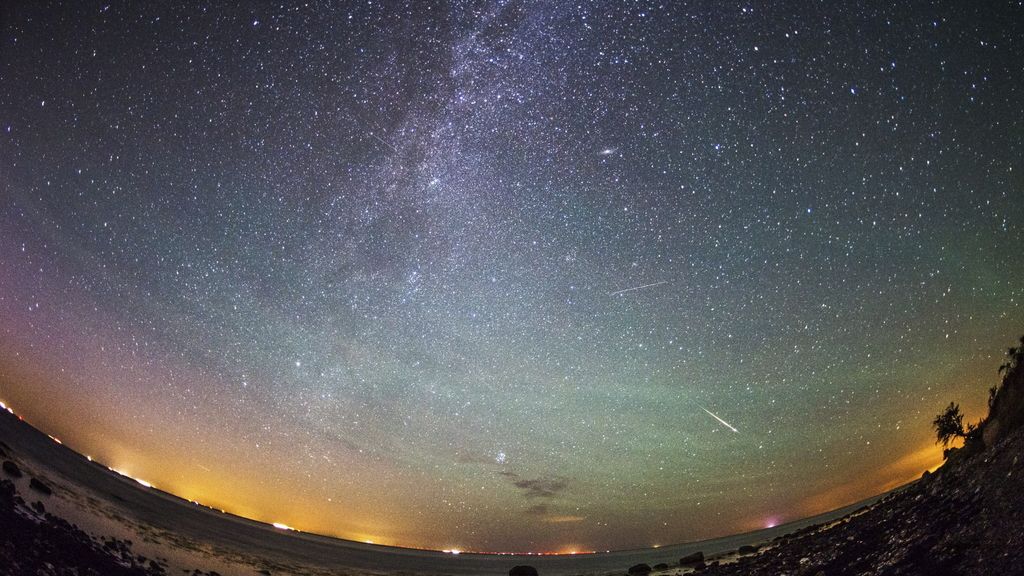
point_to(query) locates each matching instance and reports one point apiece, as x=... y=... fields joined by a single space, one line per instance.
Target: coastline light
x=128 y=476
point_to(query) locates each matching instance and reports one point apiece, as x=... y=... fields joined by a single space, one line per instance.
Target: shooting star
x=383 y=141
x=617 y=292
x=713 y=415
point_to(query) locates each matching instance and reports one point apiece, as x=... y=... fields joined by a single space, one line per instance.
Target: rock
x=949 y=454
x=661 y=566
x=522 y=571
x=38 y=486
x=990 y=433
x=695 y=558
x=748 y=549
x=38 y=507
x=810 y=570
x=12 y=469
x=639 y=569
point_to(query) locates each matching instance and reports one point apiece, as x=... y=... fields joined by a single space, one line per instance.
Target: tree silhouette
x=949 y=425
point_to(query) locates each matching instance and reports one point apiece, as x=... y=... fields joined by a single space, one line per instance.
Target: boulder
x=748 y=549
x=522 y=571
x=12 y=469
x=990 y=433
x=660 y=567
x=692 y=559
x=639 y=569
x=38 y=486
x=972 y=446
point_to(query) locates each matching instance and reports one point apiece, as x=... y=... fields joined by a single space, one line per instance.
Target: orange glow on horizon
x=897 y=473
x=893 y=475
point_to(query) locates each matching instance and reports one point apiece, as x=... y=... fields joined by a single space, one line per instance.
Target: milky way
x=470 y=275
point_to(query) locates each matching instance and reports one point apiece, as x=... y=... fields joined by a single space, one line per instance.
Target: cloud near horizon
x=546 y=515
x=543 y=487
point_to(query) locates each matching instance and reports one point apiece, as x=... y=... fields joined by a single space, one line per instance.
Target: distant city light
x=128 y=476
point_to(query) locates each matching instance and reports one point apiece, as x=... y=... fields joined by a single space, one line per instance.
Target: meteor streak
x=383 y=141
x=637 y=288
x=724 y=423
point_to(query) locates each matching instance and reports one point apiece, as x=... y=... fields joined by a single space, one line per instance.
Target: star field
x=505 y=275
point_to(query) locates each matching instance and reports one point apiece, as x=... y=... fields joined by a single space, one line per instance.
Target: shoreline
x=148 y=510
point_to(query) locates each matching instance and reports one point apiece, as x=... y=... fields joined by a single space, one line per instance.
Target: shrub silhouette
x=1015 y=358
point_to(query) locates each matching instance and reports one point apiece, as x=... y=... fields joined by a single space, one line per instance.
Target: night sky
x=509 y=276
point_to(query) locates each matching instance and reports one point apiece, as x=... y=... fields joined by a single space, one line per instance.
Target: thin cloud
x=543 y=487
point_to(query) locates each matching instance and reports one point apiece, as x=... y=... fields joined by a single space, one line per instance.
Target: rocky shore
x=34 y=542
x=966 y=519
